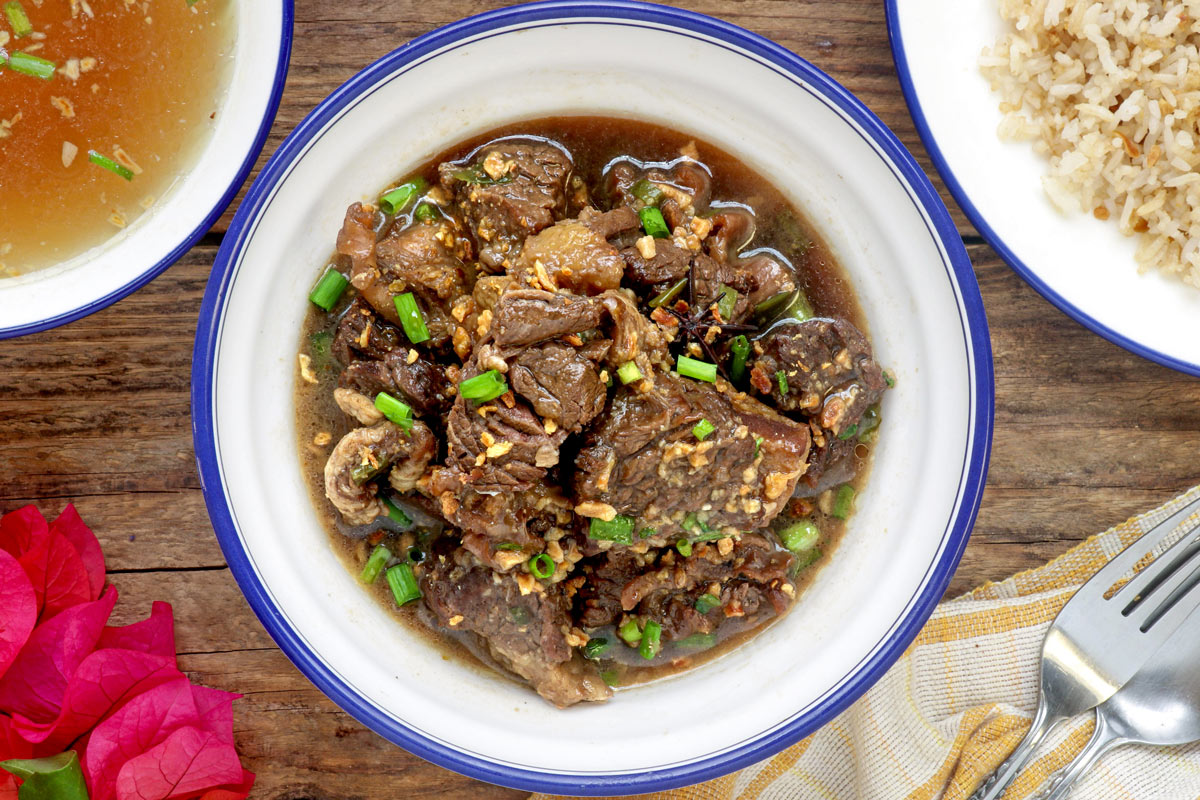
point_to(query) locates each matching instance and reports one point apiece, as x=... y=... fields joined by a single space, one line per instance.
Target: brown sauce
x=594 y=142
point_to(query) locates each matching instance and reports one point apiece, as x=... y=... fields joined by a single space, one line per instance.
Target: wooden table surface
x=97 y=413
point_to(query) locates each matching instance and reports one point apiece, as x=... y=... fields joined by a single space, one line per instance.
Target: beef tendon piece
x=513 y=189
x=820 y=367
x=644 y=459
x=365 y=453
x=524 y=627
x=499 y=447
x=407 y=374
x=571 y=256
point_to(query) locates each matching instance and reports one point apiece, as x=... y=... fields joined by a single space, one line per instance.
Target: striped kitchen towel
x=958 y=702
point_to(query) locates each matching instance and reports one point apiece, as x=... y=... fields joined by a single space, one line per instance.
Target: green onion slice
x=727 y=303
x=653 y=223
x=410 y=318
x=739 y=347
x=651 y=640
x=595 y=648
x=629 y=372
x=542 y=566
x=698 y=529
x=849 y=432
x=647 y=192
x=101 y=160
x=619 y=529
x=843 y=501
x=31 y=65
x=403 y=584
x=889 y=379
x=630 y=632
x=476 y=175
x=426 y=212
x=781 y=379
x=698 y=641
x=375 y=564
x=667 y=297
x=611 y=676
x=758 y=440
x=365 y=472
x=18 y=19
x=483 y=387
x=508 y=546
x=703 y=429
x=695 y=368
x=396 y=514
x=684 y=547
x=396 y=200
x=707 y=602
x=395 y=410
x=801 y=535
x=329 y=289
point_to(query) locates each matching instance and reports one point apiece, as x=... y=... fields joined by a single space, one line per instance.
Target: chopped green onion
x=804 y=559
x=629 y=372
x=396 y=200
x=869 y=422
x=707 y=602
x=619 y=529
x=365 y=472
x=889 y=379
x=375 y=564
x=27 y=64
x=695 y=368
x=699 y=530
x=102 y=160
x=653 y=223
x=476 y=175
x=849 y=432
x=519 y=615
x=703 y=429
x=739 y=346
x=396 y=514
x=646 y=533
x=684 y=547
x=398 y=412
x=667 y=297
x=784 y=305
x=758 y=440
x=630 y=632
x=329 y=289
x=801 y=535
x=508 y=546
x=651 y=640
x=595 y=648
x=843 y=501
x=410 y=318
x=542 y=566
x=647 y=192
x=403 y=583
x=18 y=19
x=483 y=387
x=727 y=303
x=611 y=676
x=698 y=641
x=781 y=379
x=426 y=212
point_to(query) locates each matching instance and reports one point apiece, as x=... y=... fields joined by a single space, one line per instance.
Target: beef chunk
x=765 y=277
x=668 y=264
x=830 y=373
x=420 y=382
x=514 y=189
x=503 y=449
x=610 y=223
x=733 y=228
x=362 y=333
x=643 y=459
x=831 y=463
x=525 y=316
x=414 y=260
x=686 y=183
x=524 y=632
x=571 y=256
x=560 y=384
x=371 y=451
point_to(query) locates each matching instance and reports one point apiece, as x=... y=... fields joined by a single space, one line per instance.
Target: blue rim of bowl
x=1028 y=274
x=260 y=138
x=756 y=749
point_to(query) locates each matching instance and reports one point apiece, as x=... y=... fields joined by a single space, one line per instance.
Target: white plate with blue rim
x=824 y=150
x=1080 y=264
x=62 y=293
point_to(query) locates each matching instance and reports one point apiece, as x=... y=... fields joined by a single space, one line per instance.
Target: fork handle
x=999 y=780
x=1103 y=739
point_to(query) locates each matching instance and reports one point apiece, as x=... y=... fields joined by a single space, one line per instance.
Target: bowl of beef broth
x=125 y=129
x=588 y=437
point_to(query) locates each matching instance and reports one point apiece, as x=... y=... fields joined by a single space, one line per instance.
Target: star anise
x=702 y=325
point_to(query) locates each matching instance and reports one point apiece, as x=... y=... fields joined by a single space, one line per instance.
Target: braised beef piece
x=560 y=384
x=668 y=264
x=831 y=463
x=765 y=278
x=523 y=632
x=610 y=223
x=512 y=189
x=525 y=316
x=364 y=453
x=829 y=372
x=420 y=381
x=643 y=458
x=492 y=525
x=686 y=183
x=349 y=341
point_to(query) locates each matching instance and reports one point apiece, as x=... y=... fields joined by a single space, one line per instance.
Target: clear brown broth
x=593 y=143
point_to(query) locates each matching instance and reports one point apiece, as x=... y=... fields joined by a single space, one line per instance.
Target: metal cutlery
x=1102 y=636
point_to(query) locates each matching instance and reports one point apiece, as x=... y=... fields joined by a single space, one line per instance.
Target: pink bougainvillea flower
x=20 y=530
x=18 y=610
x=153 y=635
x=71 y=527
x=187 y=761
x=11 y=746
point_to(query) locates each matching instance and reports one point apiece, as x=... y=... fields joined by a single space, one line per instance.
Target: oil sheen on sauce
x=138 y=81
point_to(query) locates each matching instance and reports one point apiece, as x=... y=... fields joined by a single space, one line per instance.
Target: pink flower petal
x=214 y=710
x=188 y=761
x=11 y=744
x=20 y=530
x=18 y=610
x=153 y=635
x=36 y=682
x=103 y=683
x=66 y=579
x=74 y=531
x=239 y=791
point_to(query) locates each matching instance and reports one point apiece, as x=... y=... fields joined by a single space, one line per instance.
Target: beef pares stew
x=587 y=399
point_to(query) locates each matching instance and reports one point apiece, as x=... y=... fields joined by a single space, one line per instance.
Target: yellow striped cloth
x=957 y=703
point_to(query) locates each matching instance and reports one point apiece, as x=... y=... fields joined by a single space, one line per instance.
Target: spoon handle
x=1103 y=739
x=995 y=785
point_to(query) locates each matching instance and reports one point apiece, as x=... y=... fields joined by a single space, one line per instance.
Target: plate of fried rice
x=1069 y=133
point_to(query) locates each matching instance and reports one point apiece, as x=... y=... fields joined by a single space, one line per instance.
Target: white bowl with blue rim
x=99 y=277
x=1079 y=263
x=834 y=159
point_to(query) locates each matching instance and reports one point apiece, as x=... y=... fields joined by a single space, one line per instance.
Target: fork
x=1101 y=638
